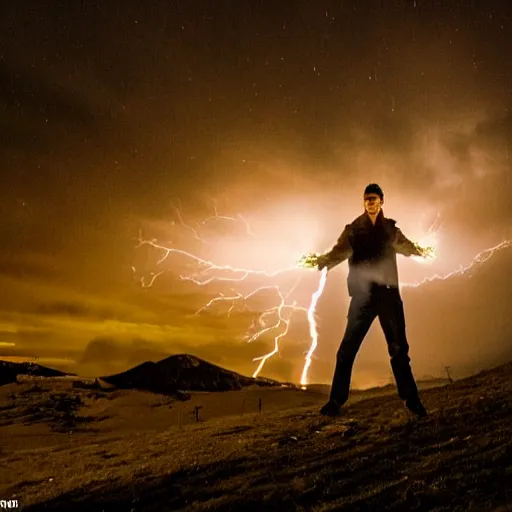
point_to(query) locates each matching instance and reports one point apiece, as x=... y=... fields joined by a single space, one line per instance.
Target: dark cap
x=373 y=188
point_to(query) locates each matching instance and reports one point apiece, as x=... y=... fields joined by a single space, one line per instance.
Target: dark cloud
x=24 y=267
x=42 y=102
x=496 y=134
x=109 y=351
x=73 y=309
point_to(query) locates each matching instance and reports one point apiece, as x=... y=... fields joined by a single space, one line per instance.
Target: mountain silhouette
x=183 y=372
x=9 y=371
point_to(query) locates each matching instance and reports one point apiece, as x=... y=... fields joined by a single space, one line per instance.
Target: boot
x=331 y=408
x=416 y=407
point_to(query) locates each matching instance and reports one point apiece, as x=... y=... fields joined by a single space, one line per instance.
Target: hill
x=9 y=371
x=286 y=458
x=325 y=389
x=183 y=373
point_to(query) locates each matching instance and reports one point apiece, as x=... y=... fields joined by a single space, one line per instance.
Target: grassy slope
x=129 y=450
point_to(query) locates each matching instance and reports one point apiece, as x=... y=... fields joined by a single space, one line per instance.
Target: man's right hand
x=313 y=260
x=308 y=260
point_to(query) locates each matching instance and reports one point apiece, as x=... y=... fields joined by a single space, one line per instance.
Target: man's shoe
x=416 y=407
x=331 y=408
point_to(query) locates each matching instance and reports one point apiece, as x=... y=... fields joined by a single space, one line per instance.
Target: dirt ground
x=70 y=448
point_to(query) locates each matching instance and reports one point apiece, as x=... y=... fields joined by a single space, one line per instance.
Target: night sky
x=128 y=119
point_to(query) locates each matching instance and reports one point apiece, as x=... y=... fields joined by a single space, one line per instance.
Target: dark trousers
x=385 y=303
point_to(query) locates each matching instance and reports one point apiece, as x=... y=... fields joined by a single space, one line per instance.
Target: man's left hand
x=427 y=252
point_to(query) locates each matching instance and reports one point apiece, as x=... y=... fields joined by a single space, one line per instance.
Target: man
x=371 y=243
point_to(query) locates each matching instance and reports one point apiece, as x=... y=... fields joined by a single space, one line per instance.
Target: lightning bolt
x=203 y=277
x=224 y=217
x=312 y=327
x=281 y=320
x=479 y=259
x=216 y=217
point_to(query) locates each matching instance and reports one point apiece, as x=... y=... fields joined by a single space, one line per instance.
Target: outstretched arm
x=340 y=252
x=404 y=246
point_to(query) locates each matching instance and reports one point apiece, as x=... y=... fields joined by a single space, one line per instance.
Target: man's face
x=372 y=204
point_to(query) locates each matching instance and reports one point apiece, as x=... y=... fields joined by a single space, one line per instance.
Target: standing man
x=371 y=243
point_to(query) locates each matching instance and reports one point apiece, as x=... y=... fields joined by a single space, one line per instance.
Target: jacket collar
x=365 y=221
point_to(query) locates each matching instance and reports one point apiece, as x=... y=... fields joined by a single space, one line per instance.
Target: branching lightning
x=479 y=259
x=216 y=217
x=275 y=319
x=210 y=272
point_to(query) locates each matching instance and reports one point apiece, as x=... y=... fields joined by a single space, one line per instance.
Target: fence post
x=447 y=368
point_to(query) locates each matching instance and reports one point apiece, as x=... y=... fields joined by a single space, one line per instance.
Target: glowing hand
x=428 y=252
x=308 y=260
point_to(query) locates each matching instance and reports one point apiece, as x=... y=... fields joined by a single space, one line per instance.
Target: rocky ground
x=73 y=447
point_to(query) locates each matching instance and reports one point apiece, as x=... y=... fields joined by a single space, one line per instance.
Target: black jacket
x=371 y=251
